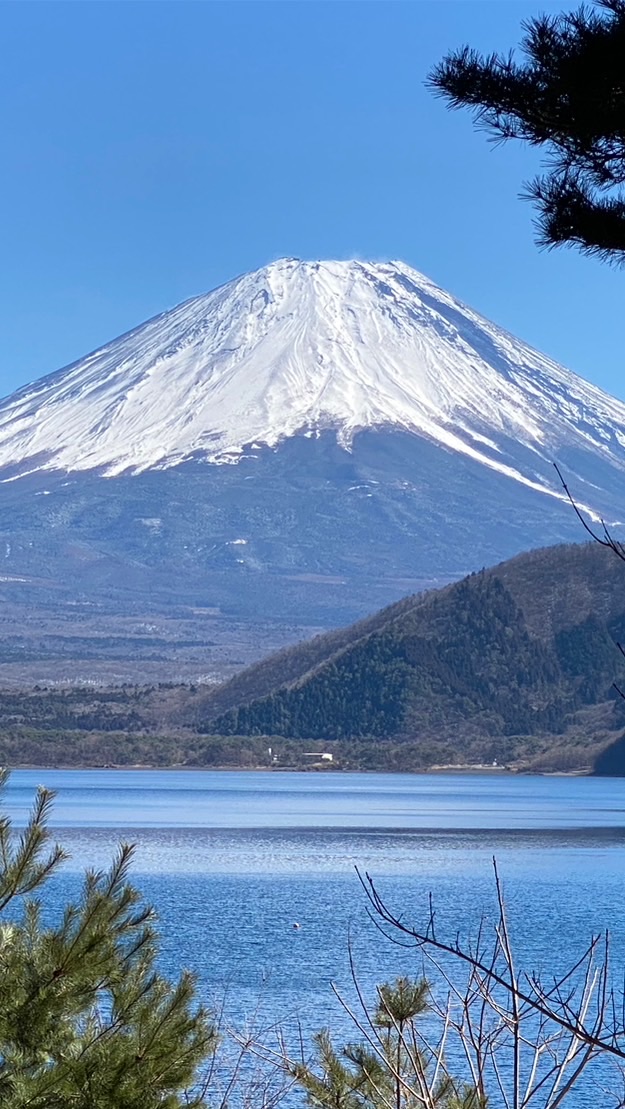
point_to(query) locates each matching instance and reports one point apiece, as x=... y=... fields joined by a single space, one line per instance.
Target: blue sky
x=152 y=151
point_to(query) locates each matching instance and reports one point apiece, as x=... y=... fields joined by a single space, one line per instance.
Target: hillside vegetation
x=521 y=658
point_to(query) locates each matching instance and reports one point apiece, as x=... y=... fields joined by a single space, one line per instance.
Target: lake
x=233 y=860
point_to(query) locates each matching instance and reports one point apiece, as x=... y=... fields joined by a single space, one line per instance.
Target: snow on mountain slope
x=302 y=347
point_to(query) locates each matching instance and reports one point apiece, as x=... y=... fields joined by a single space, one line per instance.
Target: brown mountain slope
x=526 y=649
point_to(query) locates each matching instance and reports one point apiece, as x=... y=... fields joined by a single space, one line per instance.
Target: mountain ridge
x=470 y=668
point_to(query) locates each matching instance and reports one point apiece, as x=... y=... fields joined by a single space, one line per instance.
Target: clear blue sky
x=151 y=151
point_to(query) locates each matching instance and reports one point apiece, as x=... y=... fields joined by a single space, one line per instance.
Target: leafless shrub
x=526 y=1038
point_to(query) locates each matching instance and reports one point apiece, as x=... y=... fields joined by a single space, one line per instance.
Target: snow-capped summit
x=380 y=435
x=301 y=348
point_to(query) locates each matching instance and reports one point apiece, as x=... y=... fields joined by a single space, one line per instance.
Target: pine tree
x=392 y=1068
x=86 y=1022
x=568 y=98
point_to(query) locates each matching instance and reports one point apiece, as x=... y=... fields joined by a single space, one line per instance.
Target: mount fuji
x=308 y=441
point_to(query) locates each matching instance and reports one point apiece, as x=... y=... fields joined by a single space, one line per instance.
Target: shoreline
x=434 y=771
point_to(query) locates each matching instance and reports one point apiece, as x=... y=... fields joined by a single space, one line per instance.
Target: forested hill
x=527 y=648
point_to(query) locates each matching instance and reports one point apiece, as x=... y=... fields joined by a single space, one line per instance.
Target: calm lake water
x=232 y=860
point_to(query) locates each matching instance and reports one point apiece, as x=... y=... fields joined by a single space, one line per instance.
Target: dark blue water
x=232 y=861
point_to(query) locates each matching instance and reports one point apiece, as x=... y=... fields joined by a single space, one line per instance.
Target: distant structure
x=319 y=756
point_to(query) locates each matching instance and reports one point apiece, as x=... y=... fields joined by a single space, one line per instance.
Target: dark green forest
x=527 y=649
